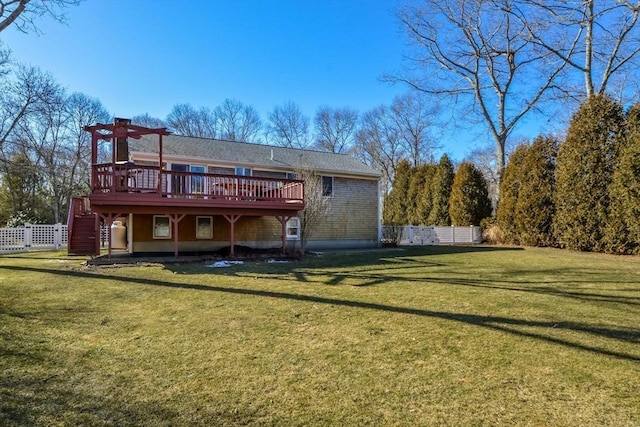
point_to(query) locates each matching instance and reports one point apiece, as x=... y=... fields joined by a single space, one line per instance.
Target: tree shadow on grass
x=508 y=325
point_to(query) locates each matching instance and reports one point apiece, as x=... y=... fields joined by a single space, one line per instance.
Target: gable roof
x=254 y=155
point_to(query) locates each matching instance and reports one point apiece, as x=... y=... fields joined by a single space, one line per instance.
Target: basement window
x=204 y=227
x=293 y=229
x=161 y=227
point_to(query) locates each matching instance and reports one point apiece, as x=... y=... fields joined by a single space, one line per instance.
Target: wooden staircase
x=84 y=229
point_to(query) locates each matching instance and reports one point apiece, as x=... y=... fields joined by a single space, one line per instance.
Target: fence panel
x=410 y=235
x=12 y=240
x=36 y=236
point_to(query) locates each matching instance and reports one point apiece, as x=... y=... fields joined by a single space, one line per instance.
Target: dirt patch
x=243 y=253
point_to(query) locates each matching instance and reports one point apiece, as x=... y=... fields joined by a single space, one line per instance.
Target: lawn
x=416 y=336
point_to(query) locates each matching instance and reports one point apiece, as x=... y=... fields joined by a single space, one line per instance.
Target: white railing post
x=28 y=236
x=57 y=235
x=453 y=234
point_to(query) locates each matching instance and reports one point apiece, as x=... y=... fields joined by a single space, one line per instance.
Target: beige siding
x=353 y=213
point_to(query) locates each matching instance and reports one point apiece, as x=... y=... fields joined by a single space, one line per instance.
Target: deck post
x=175 y=220
x=160 y=164
x=232 y=221
x=283 y=222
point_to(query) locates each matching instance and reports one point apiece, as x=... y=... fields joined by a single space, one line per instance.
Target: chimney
x=122 y=144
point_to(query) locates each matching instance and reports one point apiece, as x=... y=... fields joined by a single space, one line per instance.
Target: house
x=170 y=193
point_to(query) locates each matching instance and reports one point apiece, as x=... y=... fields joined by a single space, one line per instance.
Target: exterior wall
x=353 y=213
x=352 y=222
x=256 y=232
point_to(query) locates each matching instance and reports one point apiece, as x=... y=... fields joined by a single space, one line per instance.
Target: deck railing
x=131 y=178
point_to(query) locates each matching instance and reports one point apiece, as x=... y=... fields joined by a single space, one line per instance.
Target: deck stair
x=84 y=229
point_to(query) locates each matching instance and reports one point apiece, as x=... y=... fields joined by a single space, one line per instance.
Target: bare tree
x=479 y=56
x=414 y=118
x=25 y=12
x=600 y=41
x=20 y=96
x=147 y=121
x=237 y=122
x=484 y=158
x=336 y=129
x=378 y=143
x=316 y=206
x=288 y=126
x=80 y=110
x=187 y=121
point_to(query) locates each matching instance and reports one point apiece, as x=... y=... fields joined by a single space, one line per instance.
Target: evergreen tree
x=623 y=227
x=440 y=192
x=584 y=173
x=419 y=194
x=396 y=203
x=535 y=208
x=469 y=202
x=509 y=191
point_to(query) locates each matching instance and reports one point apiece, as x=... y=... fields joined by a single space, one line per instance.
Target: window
x=204 y=227
x=197 y=182
x=183 y=183
x=161 y=227
x=292 y=175
x=293 y=229
x=327 y=186
x=243 y=171
x=179 y=180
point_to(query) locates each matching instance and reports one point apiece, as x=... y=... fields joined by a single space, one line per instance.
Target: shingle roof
x=255 y=155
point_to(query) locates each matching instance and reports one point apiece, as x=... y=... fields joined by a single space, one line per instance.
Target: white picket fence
x=413 y=235
x=36 y=236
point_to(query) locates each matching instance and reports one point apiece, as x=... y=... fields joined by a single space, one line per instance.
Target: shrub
x=509 y=190
x=584 y=173
x=535 y=207
x=469 y=202
x=440 y=192
x=622 y=234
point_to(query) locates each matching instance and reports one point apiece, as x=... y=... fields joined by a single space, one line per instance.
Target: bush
x=535 y=207
x=469 y=202
x=584 y=173
x=509 y=190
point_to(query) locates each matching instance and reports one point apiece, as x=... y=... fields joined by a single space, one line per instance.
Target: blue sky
x=145 y=56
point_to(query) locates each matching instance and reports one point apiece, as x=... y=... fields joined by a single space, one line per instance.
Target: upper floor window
x=327 y=186
x=244 y=171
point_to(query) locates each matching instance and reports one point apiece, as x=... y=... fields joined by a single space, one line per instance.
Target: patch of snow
x=278 y=261
x=223 y=264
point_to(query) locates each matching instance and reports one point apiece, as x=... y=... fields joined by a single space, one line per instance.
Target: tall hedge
x=396 y=203
x=440 y=192
x=469 y=202
x=535 y=207
x=622 y=235
x=419 y=195
x=509 y=191
x=584 y=173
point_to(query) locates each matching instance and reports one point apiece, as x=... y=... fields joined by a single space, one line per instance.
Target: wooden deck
x=135 y=188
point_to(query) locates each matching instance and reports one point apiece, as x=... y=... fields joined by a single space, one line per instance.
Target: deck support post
x=282 y=219
x=232 y=221
x=175 y=220
x=108 y=219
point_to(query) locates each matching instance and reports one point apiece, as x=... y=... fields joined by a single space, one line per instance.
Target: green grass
x=416 y=336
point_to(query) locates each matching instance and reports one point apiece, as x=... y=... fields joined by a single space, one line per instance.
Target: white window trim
x=333 y=185
x=293 y=223
x=209 y=236
x=155 y=227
